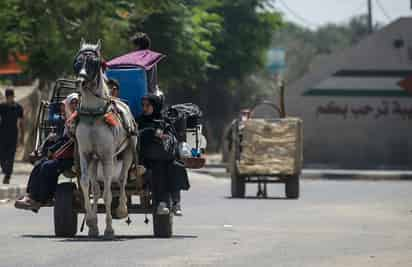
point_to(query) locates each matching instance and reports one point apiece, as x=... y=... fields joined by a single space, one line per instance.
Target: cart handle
x=267 y=103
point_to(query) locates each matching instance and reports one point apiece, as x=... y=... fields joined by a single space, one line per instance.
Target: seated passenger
x=114 y=88
x=158 y=153
x=57 y=158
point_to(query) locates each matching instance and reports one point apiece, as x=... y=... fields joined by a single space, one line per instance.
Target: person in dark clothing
x=12 y=130
x=158 y=153
x=141 y=41
x=57 y=155
x=43 y=178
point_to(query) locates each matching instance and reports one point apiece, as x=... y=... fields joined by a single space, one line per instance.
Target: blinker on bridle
x=89 y=61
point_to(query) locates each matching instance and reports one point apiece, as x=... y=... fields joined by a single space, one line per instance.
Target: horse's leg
x=91 y=217
x=95 y=185
x=107 y=196
x=121 y=210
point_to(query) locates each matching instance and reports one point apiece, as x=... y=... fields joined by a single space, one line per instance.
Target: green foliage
x=212 y=46
x=49 y=31
x=183 y=32
x=11 y=20
x=245 y=38
x=203 y=39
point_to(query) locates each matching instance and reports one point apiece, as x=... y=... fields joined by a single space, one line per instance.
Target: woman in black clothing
x=157 y=152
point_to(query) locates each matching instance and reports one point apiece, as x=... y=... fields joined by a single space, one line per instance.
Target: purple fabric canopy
x=143 y=58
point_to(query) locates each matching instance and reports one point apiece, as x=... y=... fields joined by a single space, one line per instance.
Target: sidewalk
x=18 y=181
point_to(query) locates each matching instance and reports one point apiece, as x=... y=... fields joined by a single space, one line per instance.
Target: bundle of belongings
x=271 y=147
x=182 y=117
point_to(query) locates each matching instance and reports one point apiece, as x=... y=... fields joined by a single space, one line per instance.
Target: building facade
x=356 y=106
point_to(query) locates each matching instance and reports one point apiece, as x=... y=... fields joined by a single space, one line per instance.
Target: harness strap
x=94 y=112
x=122 y=146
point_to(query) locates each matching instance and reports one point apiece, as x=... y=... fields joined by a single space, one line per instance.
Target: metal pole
x=282 y=99
x=370 y=16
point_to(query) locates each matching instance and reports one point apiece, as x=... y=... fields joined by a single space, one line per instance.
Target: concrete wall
x=346 y=132
x=347 y=140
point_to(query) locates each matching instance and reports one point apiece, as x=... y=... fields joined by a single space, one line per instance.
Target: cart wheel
x=65 y=216
x=292 y=187
x=238 y=185
x=163 y=225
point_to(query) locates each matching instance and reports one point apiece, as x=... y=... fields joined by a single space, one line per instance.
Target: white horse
x=99 y=144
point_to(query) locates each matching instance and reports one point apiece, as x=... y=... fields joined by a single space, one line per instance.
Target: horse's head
x=87 y=63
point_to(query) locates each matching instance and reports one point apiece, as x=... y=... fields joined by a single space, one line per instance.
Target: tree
x=49 y=31
x=182 y=31
x=212 y=45
x=11 y=20
x=241 y=49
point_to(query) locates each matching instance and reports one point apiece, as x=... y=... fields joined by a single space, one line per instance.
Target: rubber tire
x=163 y=225
x=292 y=187
x=65 y=216
x=237 y=185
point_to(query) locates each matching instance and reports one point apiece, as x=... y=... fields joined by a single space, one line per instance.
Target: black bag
x=180 y=180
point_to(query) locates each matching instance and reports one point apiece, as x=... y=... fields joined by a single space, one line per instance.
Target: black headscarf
x=157 y=103
x=148 y=121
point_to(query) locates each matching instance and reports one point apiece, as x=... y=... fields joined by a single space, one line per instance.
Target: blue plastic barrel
x=133 y=86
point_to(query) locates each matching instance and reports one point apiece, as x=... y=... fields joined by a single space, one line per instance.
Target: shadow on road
x=258 y=198
x=101 y=239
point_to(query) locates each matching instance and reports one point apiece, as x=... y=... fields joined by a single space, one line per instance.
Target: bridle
x=87 y=66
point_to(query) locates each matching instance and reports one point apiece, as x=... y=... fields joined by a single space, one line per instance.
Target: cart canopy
x=146 y=59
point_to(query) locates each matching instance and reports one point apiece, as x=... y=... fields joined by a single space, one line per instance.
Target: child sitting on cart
x=57 y=157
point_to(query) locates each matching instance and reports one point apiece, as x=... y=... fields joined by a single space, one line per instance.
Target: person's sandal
x=26 y=203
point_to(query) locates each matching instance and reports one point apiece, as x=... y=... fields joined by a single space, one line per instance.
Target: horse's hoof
x=93 y=232
x=108 y=235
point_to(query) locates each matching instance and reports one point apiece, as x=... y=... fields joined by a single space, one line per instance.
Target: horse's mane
x=103 y=81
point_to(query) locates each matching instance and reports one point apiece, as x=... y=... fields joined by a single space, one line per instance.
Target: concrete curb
x=12 y=192
x=337 y=177
x=220 y=172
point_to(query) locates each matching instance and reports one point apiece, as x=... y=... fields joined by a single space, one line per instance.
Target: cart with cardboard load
x=266 y=148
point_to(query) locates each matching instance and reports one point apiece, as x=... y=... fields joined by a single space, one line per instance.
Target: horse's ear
x=99 y=44
x=82 y=42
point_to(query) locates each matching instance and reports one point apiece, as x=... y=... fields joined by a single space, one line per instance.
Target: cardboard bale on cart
x=271 y=147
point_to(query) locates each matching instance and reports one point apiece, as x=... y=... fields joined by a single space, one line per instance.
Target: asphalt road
x=347 y=223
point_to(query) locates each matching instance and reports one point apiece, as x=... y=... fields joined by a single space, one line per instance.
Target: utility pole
x=370 y=26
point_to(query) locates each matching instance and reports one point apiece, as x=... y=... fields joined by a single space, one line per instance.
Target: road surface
x=346 y=223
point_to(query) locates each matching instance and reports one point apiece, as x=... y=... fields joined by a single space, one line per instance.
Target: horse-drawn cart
x=68 y=201
x=135 y=81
